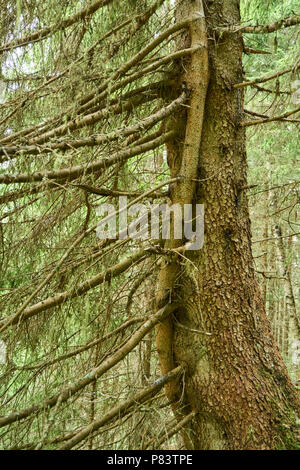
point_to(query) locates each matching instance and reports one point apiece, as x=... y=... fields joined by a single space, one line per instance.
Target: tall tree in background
x=86 y=101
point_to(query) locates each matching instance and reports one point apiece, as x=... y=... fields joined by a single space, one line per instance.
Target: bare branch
x=84 y=348
x=280 y=24
x=250 y=50
x=172 y=431
x=48 y=30
x=69 y=174
x=131 y=78
x=265 y=79
x=275 y=238
x=96 y=140
x=112 y=106
x=122 y=409
x=116 y=192
x=145 y=95
x=95 y=373
x=282 y=117
x=84 y=287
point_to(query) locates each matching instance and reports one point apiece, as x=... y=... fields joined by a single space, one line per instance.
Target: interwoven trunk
x=235 y=379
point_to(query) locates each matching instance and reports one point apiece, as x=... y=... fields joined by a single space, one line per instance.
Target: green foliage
x=46 y=85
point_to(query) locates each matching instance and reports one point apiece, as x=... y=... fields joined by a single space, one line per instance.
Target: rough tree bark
x=235 y=380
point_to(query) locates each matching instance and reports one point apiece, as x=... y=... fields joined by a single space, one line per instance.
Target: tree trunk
x=291 y=321
x=235 y=379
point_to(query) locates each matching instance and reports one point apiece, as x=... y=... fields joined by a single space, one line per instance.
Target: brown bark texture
x=235 y=380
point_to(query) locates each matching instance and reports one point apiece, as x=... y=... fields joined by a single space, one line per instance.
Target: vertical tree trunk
x=235 y=381
x=291 y=320
x=265 y=259
x=272 y=302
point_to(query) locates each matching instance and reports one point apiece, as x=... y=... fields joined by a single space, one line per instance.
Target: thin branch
x=140 y=20
x=265 y=79
x=135 y=287
x=78 y=123
x=66 y=393
x=48 y=30
x=113 y=105
x=96 y=140
x=268 y=90
x=124 y=408
x=276 y=238
x=131 y=78
x=293 y=183
x=146 y=94
x=250 y=50
x=282 y=117
x=106 y=88
x=117 y=192
x=172 y=431
x=84 y=348
x=280 y=24
x=58 y=299
x=69 y=174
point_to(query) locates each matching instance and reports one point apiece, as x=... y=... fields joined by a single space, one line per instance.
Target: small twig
x=193 y=330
